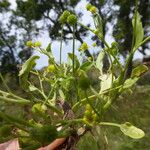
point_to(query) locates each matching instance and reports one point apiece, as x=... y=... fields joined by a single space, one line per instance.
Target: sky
x=45 y=40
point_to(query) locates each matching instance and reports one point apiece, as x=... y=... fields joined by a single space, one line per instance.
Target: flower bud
x=88 y=6
x=72 y=19
x=29 y=43
x=37 y=44
x=94 y=44
x=63 y=17
x=51 y=68
x=83 y=47
x=93 y=10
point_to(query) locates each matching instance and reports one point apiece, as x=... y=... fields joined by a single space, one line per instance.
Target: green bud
x=93 y=10
x=72 y=19
x=96 y=32
x=37 y=44
x=63 y=17
x=66 y=13
x=88 y=6
x=51 y=68
x=29 y=43
x=83 y=47
x=88 y=107
x=94 y=44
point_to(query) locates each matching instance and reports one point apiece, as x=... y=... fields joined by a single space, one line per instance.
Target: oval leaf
x=138 y=29
x=24 y=73
x=131 y=131
x=99 y=61
x=139 y=70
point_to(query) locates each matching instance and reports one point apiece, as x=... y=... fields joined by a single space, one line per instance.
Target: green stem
x=86 y=27
x=41 y=84
x=73 y=49
x=83 y=101
x=109 y=124
x=89 y=102
x=61 y=41
x=17 y=101
x=7 y=88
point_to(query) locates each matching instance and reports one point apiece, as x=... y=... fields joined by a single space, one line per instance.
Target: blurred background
x=37 y=20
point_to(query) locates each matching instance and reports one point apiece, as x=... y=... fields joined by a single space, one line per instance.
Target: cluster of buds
x=83 y=47
x=51 y=69
x=31 y=44
x=91 y=8
x=67 y=17
x=89 y=116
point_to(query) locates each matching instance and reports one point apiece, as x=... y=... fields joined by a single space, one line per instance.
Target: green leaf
x=130 y=82
x=132 y=131
x=138 y=29
x=24 y=73
x=106 y=81
x=98 y=23
x=77 y=64
x=48 y=49
x=99 y=61
x=86 y=66
x=32 y=88
x=43 y=134
x=139 y=70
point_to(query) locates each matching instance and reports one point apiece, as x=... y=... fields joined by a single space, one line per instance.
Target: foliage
x=68 y=103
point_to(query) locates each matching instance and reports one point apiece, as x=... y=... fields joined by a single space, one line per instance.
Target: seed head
x=93 y=10
x=83 y=47
x=37 y=44
x=88 y=6
x=72 y=19
x=29 y=43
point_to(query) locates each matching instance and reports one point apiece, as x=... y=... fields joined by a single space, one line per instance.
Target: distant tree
x=31 y=17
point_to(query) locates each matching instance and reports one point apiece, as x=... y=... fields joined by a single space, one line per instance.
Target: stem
x=19 y=101
x=135 y=21
x=89 y=102
x=7 y=88
x=109 y=124
x=60 y=57
x=73 y=48
x=83 y=101
x=85 y=27
x=41 y=85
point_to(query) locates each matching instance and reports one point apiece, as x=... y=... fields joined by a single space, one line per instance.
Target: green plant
x=67 y=108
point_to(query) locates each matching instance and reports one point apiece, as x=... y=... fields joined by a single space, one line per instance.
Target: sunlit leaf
x=99 y=61
x=24 y=73
x=76 y=61
x=86 y=65
x=106 y=81
x=130 y=82
x=131 y=131
x=139 y=70
x=138 y=29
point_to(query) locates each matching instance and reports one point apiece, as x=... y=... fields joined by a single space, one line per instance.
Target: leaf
x=32 y=88
x=130 y=82
x=98 y=23
x=99 y=61
x=76 y=61
x=138 y=29
x=48 y=49
x=43 y=134
x=132 y=131
x=86 y=66
x=106 y=81
x=139 y=70
x=24 y=73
